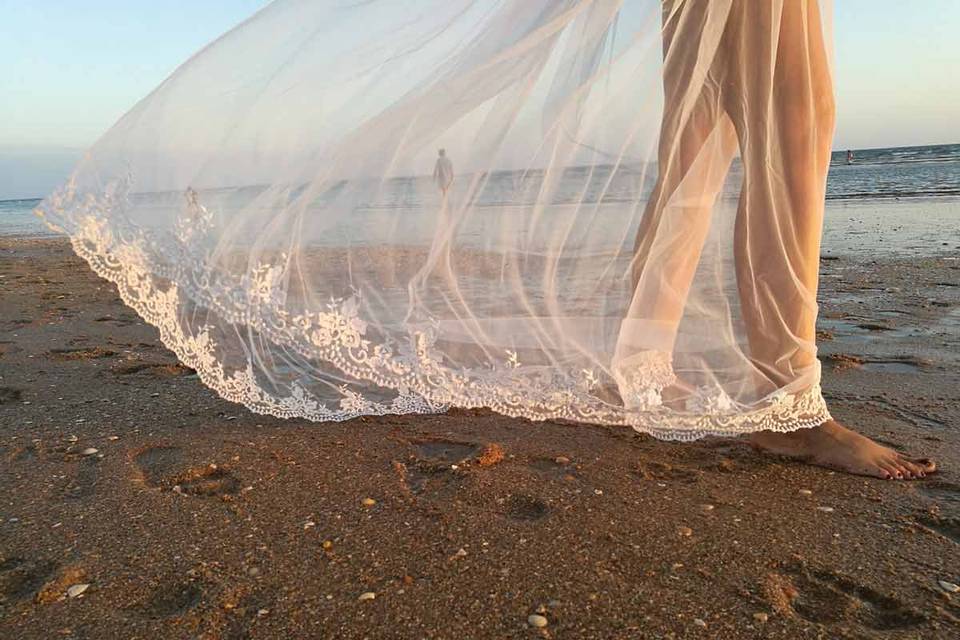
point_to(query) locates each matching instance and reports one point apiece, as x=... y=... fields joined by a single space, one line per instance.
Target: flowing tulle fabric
x=623 y=229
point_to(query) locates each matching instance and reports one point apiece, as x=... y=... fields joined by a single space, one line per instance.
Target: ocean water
x=898 y=172
x=17 y=219
x=902 y=199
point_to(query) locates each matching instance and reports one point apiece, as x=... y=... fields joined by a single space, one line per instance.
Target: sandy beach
x=189 y=517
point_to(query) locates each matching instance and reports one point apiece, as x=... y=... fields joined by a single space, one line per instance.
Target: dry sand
x=197 y=519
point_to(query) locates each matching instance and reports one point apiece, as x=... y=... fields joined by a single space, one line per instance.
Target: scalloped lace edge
x=123 y=266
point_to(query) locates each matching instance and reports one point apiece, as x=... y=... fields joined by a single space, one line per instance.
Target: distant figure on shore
x=443 y=172
x=849 y=156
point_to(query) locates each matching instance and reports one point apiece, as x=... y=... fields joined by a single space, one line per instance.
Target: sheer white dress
x=631 y=238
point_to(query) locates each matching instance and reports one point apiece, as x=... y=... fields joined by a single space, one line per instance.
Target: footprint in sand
x=431 y=464
x=526 y=508
x=156 y=464
x=824 y=597
x=22 y=579
x=207 y=481
x=170 y=600
x=164 y=468
x=411 y=478
x=444 y=453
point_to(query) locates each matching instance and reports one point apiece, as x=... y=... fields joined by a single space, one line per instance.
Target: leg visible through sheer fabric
x=784 y=121
x=767 y=90
x=697 y=144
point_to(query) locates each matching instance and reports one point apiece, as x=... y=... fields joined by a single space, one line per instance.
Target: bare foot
x=834 y=446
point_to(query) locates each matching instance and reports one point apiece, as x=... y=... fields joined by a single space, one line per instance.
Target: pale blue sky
x=70 y=68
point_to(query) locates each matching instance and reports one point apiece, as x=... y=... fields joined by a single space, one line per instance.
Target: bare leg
x=785 y=124
x=784 y=121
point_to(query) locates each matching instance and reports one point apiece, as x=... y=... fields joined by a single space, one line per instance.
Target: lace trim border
x=423 y=384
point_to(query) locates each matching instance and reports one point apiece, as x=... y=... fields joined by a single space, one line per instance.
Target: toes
x=926 y=464
x=894 y=470
x=912 y=468
x=909 y=472
x=919 y=466
x=905 y=468
x=889 y=469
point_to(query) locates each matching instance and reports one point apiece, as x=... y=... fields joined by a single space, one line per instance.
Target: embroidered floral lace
x=341 y=209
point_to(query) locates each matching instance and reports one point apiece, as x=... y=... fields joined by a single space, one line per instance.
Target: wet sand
x=194 y=518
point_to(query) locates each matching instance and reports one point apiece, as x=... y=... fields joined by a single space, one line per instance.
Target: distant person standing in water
x=443 y=172
x=849 y=156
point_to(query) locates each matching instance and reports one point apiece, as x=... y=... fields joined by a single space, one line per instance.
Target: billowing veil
x=604 y=211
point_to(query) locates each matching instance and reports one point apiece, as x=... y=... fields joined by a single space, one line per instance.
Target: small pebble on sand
x=76 y=590
x=369 y=595
x=699 y=623
x=949 y=587
x=89 y=451
x=536 y=621
x=369 y=502
x=686 y=532
x=761 y=617
x=825 y=509
x=806 y=492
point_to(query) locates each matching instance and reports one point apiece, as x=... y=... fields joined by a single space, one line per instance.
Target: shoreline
x=195 y=518
x=875 y=227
